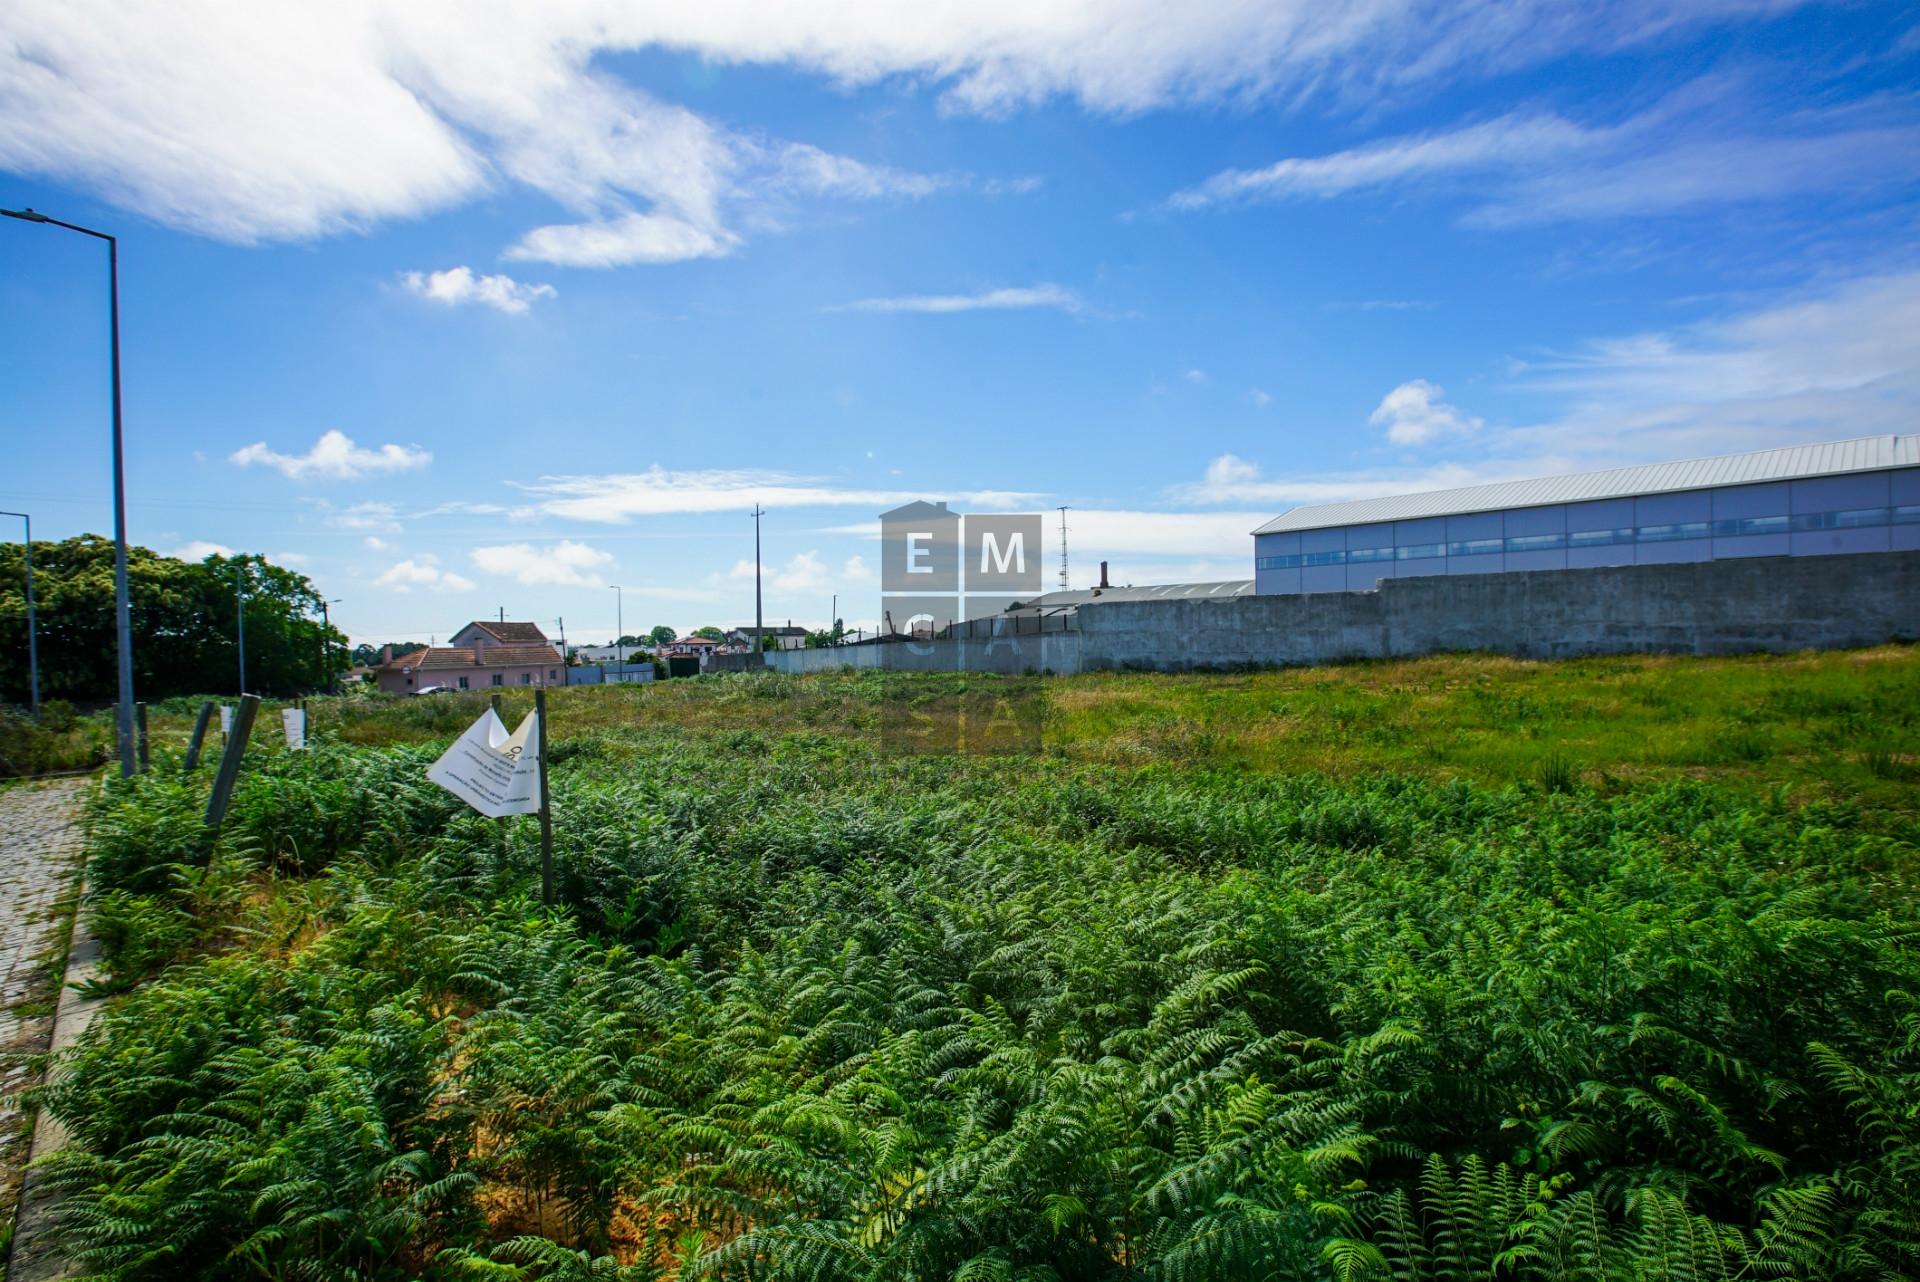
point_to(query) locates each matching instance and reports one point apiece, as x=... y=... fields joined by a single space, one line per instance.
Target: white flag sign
x=294 y=722
x=496 y=773
x=226 y=718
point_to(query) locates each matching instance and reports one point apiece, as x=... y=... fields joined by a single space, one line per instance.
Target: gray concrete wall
x=1057 y=652
x=1710 y=607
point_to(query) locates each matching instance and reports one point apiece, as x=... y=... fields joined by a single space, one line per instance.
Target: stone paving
x=39 y=861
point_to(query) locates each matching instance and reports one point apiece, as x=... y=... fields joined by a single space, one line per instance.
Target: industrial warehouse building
x=1809 y=500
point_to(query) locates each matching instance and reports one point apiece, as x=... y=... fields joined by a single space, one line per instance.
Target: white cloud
x=1817 y=365
x=293 y=560
x=422 y=571
x=200 y=550
x=334 y=457
x=1700 y=146
x=458 y=285
x=566 y=563
x=1259 y=399
x=375 y=543
x=1046 y=295
x=1414 y=414
x=369 y=515
x=658 y=492
x=308 y=121
x=1195 y=376
x=856 y=570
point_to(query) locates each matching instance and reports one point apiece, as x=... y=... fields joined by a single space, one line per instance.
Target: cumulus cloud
x=1414 y=414
x=566 y=563
x=422 y=571
x=200 y=550
x=334 y=457
x=1259 y=399
x=458 y=285
x=309 y=121
x=1019 y=299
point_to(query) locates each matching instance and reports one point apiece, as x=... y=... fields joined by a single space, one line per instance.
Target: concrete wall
x=1707 y=607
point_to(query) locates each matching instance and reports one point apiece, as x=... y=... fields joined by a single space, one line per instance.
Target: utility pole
x=619 y=628
x=326 y=644
x=1063 y=548
x=122 y=610
x=759 y=629
x=503 y=614
x=240 y=619
x=566 y=675
x=833 y=620
x=33 y=638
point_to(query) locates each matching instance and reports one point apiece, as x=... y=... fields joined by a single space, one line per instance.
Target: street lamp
x=619 y=629
x=123 y=620
x=33 y=639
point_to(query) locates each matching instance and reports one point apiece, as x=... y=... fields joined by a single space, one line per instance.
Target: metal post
x=240 y=614
x=230 y=761
x=759 y=630
x=619 y=629
x=33 y=636
x=546 y=805
x=199 y=737
x=140 y=721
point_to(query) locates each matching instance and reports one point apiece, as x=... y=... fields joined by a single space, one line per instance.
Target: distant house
x=786 y=638
x=483 y=656
x=689 y=646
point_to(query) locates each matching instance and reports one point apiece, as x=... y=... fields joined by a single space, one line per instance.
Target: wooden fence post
x=199 y=736
x=140 y=718
x=230 y=760
x=546 y=804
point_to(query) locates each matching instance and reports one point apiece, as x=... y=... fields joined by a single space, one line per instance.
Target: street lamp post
x=240 y=623
x=33 y=638
x=123 y=613
x=619 y=629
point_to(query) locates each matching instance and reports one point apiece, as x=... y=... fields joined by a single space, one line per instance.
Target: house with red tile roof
x=483 y=656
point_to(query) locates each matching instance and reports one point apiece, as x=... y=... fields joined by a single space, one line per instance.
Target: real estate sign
x=496 y=773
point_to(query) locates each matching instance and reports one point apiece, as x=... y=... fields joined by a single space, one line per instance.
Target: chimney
x=386 y=655
x=1103 y=574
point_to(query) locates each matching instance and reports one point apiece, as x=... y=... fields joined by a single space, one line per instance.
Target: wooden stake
x=546 y=804
x=199 y=736
x=230 y=761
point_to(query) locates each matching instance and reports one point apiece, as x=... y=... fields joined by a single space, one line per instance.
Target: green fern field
x=1461 y=969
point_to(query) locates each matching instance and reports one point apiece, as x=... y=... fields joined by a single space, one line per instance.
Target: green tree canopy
x=709 y=631
x=660 y=634
x=183 y=616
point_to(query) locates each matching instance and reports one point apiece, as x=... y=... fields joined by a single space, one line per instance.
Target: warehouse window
x=1599 y=538
x=1475 y=547
x=1369 y=554
x=1286 y=561
x=1670 y=533
x=1536 y=542
x=1907 y=514
x=1746 y=525
x=1419 y=551
x=1324 y=558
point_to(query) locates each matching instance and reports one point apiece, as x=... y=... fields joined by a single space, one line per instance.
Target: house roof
x=1863 y=454
x=443 y=658
x=920 y=510
x=509 y=632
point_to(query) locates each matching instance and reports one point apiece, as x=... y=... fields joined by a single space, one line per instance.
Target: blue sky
x=463 y=307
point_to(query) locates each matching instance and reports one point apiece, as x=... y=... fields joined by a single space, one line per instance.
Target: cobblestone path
x=39 y=856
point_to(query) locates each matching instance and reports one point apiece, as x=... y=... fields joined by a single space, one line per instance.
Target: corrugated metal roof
x=1150 y=592
x=1864 y=454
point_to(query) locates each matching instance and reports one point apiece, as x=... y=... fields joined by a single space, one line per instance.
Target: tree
x=661 y=634
x=183 y=617
x=366 y=655
x=710 y=632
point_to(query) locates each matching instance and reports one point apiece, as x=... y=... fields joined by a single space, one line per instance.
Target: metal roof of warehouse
x=1150 y=592
x=1863 y=454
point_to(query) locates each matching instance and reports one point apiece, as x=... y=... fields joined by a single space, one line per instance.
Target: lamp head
x=26 y=215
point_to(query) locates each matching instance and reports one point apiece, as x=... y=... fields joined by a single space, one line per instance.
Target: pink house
x=482 y=656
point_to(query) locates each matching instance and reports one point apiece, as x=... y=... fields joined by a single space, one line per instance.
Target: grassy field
x=1458 y=968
